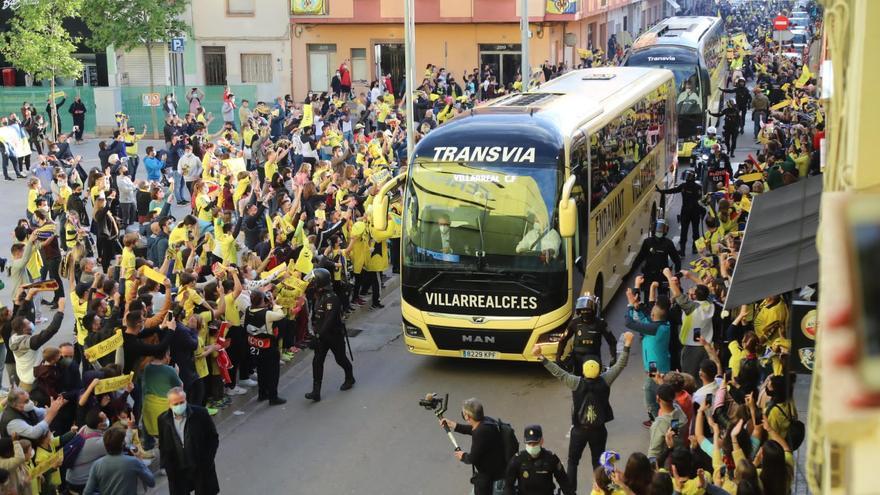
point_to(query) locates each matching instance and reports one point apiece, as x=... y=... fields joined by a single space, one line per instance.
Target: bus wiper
x=431 y=281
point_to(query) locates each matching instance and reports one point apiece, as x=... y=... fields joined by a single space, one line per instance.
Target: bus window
x=580 y=167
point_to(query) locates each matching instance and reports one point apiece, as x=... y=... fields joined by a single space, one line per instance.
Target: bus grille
x=454 y=339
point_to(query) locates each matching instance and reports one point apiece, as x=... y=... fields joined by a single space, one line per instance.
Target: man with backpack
x=591 y=407
x=491 y=447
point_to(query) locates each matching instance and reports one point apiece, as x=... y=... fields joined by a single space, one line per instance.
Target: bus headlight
x=553 y=336
x=413 y=331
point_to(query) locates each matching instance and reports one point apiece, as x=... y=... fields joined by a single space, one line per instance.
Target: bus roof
x=684 y=31
x=544 y=116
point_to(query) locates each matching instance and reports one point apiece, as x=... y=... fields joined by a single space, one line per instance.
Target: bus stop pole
x=409 y=54
x=525 y=68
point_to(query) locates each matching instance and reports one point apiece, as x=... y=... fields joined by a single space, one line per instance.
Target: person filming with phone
x=652 y=322
x=696 y=322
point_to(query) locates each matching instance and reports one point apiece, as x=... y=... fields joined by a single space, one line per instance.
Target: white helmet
x=711 y=130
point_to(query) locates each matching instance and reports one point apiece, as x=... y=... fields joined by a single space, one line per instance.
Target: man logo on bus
x=477 y=339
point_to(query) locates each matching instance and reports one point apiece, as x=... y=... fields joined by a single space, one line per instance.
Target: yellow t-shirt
x=127 y=263
x=179 y=235
x=33 y=194
x=131 y=144
x=270 y=168
x=204 y=213
x=79 y=310
x=64 y=192
x=231 y=315
x=190 y=298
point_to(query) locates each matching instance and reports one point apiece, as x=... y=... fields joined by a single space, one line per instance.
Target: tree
x=38 y=44
x=134 y=23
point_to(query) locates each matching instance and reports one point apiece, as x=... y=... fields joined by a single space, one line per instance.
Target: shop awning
x=674 y=5
x=778 y=252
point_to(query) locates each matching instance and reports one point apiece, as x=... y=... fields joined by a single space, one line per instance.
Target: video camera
x=433 y=402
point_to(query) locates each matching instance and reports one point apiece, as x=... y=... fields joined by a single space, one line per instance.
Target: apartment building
x=459 y=35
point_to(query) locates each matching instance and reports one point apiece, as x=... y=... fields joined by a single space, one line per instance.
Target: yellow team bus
x=694 y=48
x=513 y=209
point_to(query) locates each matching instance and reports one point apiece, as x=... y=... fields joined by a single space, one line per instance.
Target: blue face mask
x=179 y=409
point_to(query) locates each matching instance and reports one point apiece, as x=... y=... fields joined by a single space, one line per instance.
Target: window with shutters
x=240 y=7
x=359 y=70
x=256 y=68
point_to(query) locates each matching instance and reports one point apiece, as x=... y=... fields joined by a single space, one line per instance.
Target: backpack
x=74 y=447
x=508 y=439
x=797 y=431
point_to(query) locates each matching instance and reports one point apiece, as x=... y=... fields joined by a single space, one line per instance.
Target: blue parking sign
x=176 y=45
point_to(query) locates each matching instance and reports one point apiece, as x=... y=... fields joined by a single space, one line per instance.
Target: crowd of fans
x=158 y=302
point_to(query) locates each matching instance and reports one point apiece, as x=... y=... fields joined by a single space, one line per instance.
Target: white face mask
x=29 y=406
x=533 y=450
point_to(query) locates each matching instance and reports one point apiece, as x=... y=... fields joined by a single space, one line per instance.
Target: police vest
x=535 y=474
x=588 y=337
x=591 y=406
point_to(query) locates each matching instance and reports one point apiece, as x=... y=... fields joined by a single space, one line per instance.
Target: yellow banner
x=235 y=165
x=275 y=271
x=58 y=94
x=308 y=116
x=781 y=105
x=307 y=7
x=805 y=76
x=104 y=347
x=585 y=53
x=47 y=464
x=304 y=260
x=751 y=177
x=115 y=383
x=271 y=227
x=153 y=274
x=560 y=6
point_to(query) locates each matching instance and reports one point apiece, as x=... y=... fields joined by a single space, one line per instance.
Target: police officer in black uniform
x=583 y=337
x=531 y=471
x=263 y=342
x=329 y=332
x=691 y=210
x=656 y=253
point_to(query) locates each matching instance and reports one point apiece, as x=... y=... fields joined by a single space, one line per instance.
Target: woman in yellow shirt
x=202 y=203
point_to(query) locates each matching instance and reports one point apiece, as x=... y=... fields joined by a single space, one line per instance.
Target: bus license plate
x=479 y=354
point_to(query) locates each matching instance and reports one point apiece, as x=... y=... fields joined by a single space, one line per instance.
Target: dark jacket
x=487 y=448
x=190 y=465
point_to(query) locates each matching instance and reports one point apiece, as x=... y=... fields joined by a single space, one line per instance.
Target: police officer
x=656 y=253
x=691 y=210
x=329 y=332
x=583 y=337
x=263 y=342
x=532 y=470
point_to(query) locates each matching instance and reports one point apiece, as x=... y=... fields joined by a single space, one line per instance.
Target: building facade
x=459 y=35
x=233 y=42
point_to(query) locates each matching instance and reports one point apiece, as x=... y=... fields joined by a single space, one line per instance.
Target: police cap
x=533 y=433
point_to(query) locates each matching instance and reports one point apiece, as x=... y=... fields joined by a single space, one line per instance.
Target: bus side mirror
x=567 y=217
x=567 y=210
x=580 y=264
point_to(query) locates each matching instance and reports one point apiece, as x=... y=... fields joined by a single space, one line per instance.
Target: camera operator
x=487 y=448
x=591 y=408
x=532 y=470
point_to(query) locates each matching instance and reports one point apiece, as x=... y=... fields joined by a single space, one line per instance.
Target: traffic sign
x=151 y=99
x=176 y=45
x=780 y=23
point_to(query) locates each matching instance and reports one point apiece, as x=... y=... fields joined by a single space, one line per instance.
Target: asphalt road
x=375 y=439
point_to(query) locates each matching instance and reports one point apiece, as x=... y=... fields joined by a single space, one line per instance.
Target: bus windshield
x=483 y=217
x=689 y=99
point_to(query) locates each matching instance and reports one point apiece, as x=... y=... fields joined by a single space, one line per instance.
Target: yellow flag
x=46 y=464
x=115 y=383
x=153 y=274
x=275 y=271
x=307 y=118
x=271 y=229
x=585 y=53
x=781 y=105
x=304 y=260
x=104 y=347
x=806 y=75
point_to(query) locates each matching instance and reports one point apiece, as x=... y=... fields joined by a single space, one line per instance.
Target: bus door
x=579 y=165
